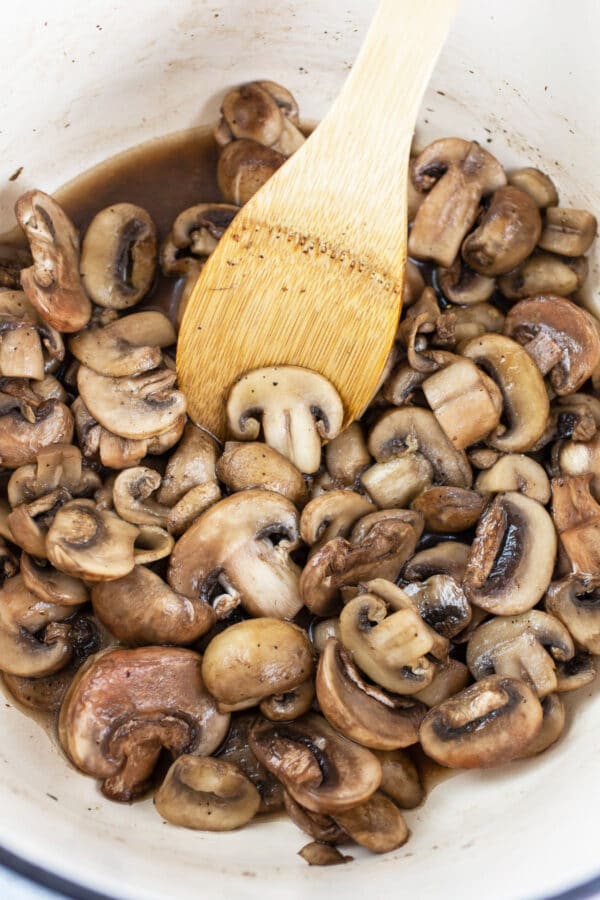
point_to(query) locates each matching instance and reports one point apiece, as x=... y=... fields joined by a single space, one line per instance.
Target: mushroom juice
x=303 y=620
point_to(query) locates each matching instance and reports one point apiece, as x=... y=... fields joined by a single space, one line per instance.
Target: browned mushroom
x=236 y=749
x=506 y=234
x=450 y=677
x=516 y=472
x=243 y=167
x=462 y=285
x=449 y=509
x=317 y=853
x=319 y=826
x=575 y=673
x=128 y=346
x=553 y=724
x=256 y=465
x=347 y=455
x=544 y=273
x=442 y=603
x=290 y=704
x=332 y=515
x=376 y=824
x=23 y=433
x=194 y=235
x=577 y=519
x=537 y=184
x=446 y=558
x=568 y=231
x=576 y=602
x=58 y=465
x=29 y=346
x=400 y=778
x=126 y=705
x=394 y=482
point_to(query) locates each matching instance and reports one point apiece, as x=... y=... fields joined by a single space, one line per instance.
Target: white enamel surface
x=88 y=80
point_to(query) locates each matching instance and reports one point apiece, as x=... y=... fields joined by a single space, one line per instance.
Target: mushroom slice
x=526 y=404
x=442 y=603
x=91 y=543
x=457 y=387
x=512 y=557
x=191 y=506
x=446 y=558
x=243 y=544
x=321 y=631
x=397 y=481
x=319 y=768
x=255 y=659
x=553 y=725
x=391 y=649
x=52 y=283
x=141 y=609
x=193 y=462
x=468 y=322
x=151 y=544
x=195 y=234
x=456 y=174
x=543 y=273
x=296 y=407
x=581 y=457
x=21 y=438
x=347 y=455
x=332 y=515
x=321 y=827
x=23 y=617
x=524 y=646
x=132 y=492
x=251 y=112
x=403 y=384
x=400 y=778
x=451 y=677
x=128 y=346
x=56 y=466
x=133 y=407
x=569 y=232
x=23 y=338
x=206 y=794
x=29 y=522
x=376 y=824
x=379 y=545
x=576 y=602
x=50 y=585
x=506 y=234
x=256 y=465
x=360 y=711
x=449 y=509
x=414 y=429
x=516 y=472
x=575 y=673
x=319 y=854
x=118 y=256
x=489 y=723
x=243 y=167
x=124 y=706
x=577 y=519
x=573 y=330
x=236 y=750
x=462 y=285
x=537 y=184
x=289 y=705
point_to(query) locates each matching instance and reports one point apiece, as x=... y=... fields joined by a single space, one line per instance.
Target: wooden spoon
x=310 y=272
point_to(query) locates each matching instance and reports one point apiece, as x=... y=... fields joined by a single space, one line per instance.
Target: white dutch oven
x=84 y=80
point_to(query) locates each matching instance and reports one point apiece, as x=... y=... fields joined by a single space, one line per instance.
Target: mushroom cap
x=347 y=455
x=243 y=167
x=21 y=440
x=320 y=769
x=232 y=543
x=576 y=602
x=134 y=407
x=506 y=234
x=251 y=112
x=140 y=608
x=376 y=824
x=52 y=283
x=537 y=184
x=256 y=465
x=569 y=232
x=206 y=794
x=449 y=509
x=128 y=346
x=124 y=706
x=362 y=712
x=289 y=705
x=331 y=515
x=255 y=659
x=489 y=723
x=442 y=603
x=119 y=255
x=574 y=330
x=192 y=463
x=57 y=465
x=512 y=557
x=296 y=408
x=526 y=405
x=463 y=285
x=516 y=472
x=318 y=854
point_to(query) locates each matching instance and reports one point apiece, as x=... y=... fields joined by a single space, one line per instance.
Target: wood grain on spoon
x=310 y=272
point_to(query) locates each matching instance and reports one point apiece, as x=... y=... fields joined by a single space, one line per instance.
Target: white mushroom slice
x=118 y=256
x=397 y=481
x=132 y=497
x=243 y=543
x=128 y=346
x=135 y=407
x=296 y=407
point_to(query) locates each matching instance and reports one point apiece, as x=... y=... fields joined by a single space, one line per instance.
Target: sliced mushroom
x=569 y=232
x=449 y=509
x=512 y=557
x=442 y=603
x=151 y=544
x=400 y=778
x=402 y=385
x=489 y=723
x=195 y=234
x=126 y=705
x=132 y=496
x=543 y=273
x=379 y=545
x=52 y=283
x=396 y=481
x=332 y=515
x=255 y=659
x=347 y=455
x=574 y=331
x=57 y=466
x=318 y=854
x=391 y=649
x=446 y=558
x=537 y=184
x=553 y=725
x=21 y=438
x=376 y=824
x=141 y=609
x=463 y=285
x=243 y=167
x=417 y=429
x=256 y=465
x=321 y=631
x=29 y=522
x=457 y=387
x=133 y=407
x=206 y=794
x=91 y=543
x=236 y=749
x=576 y=516
x=297 y=408
x=526 y=405
x=575 y=673
x=251 y=112
x=50 y=585
x=516 y=472
x=451 y=677
x=319 y=768
x=319 y=826
x=118 y=256
x=128 y=346
x=506 y=234
x=26 y=339
x=242 y=544
x=576 y=602
x=456 y=174
x=581 y=457
x=360 y=711
x=192 y=463
x=23 y=617
x=191 y=506
x=289 y=705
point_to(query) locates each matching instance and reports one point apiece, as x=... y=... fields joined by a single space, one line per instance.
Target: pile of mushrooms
x=304 y=615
